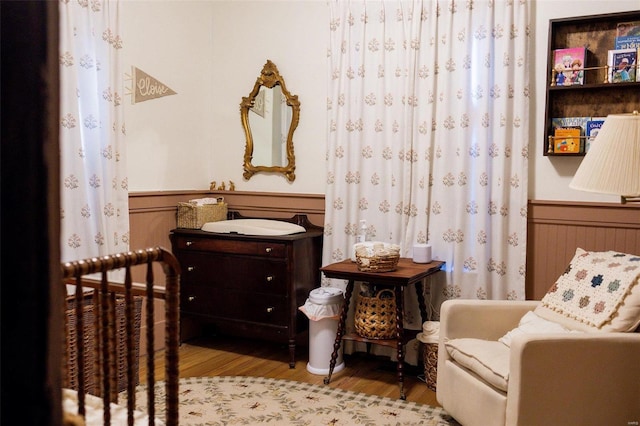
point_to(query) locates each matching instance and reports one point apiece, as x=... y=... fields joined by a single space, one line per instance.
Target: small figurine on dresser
x=213 y=186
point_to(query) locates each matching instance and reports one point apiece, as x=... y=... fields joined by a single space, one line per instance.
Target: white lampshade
x=612 y=165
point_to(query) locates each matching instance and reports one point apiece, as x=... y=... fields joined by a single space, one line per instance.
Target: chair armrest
x=582 y=378
x=481 y=319
x=478 y=319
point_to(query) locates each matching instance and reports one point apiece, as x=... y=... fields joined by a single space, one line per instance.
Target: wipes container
x=323 y=310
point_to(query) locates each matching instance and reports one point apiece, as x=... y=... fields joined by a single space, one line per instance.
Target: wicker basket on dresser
x=247 y=285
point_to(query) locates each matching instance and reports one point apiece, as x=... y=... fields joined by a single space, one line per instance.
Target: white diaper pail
x=323 y=309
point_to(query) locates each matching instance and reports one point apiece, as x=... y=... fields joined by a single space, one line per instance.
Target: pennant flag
x=146 y=87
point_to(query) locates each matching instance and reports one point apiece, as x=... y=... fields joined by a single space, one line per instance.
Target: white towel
x=204 y=201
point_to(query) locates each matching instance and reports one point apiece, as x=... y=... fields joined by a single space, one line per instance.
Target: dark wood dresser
x=247 y=285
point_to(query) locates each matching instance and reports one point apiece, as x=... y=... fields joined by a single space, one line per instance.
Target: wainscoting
x=153 y=214
x=555 y=229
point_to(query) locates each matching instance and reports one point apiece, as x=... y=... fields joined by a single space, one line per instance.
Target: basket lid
x=326 y=295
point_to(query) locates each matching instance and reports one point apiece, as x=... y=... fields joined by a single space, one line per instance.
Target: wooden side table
x=407 y=273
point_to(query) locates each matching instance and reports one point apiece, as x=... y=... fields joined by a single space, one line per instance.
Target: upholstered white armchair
x=547 y=362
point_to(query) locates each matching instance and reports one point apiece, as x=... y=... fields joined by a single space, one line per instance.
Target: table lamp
x=612 y=164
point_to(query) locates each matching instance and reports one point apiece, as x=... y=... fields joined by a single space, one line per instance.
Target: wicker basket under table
x=375 y=317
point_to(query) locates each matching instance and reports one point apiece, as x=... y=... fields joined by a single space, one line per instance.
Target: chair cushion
x=488 y=359
x=599 y=291
x=531 y=323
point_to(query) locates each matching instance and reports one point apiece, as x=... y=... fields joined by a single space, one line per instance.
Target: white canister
x=422 y=253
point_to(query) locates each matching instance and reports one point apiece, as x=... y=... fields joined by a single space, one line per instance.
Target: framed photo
x=569 y=66
x=622 y=65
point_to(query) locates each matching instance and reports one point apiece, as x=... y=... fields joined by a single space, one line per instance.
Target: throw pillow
x=599 y=291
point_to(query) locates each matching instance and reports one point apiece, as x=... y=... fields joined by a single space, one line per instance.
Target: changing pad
x=253 y=227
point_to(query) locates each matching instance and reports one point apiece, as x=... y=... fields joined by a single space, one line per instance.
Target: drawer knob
x=270 y=278
x=191 y=298
x=190 y=268
x=270 y=309
x=189 y=243
x=268 y=249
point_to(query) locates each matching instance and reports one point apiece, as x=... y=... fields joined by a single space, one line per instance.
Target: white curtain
x=94 y=193
x=427 y=141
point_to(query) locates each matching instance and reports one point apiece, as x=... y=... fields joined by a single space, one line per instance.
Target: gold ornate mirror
x=269 y=115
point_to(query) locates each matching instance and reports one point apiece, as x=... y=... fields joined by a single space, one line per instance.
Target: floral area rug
x=237 y=400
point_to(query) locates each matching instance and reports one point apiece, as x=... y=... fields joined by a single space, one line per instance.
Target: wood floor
x=228 y=356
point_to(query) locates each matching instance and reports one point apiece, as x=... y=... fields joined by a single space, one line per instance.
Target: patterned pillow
x=598 y=291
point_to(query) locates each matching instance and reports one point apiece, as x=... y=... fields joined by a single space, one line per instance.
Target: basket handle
x=384 y=290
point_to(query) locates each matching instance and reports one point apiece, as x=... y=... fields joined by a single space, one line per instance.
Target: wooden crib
x=102 y=324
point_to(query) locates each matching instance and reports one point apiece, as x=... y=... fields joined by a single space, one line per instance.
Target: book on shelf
x=568 y=134
x=566 y=140
x=627 y=35
x=629 y=42
x=570 y=122
x=593 y=127
x=622 y=65
x=569 y=66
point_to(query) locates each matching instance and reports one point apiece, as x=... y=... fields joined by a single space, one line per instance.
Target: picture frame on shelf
x=622 y=65
x=568 y=66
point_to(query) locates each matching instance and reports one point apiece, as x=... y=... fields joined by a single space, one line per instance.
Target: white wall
x=211 y=53
x=170 y=139
x=294 y=36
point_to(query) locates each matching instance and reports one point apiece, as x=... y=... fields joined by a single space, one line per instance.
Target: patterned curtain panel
x=95 y=206
x=427 y=141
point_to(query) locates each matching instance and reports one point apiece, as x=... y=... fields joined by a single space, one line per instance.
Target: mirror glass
x=269 y=115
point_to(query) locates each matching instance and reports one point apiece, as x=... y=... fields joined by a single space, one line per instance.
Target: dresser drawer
x=245 y=273
x=255 y=248
x=235 y=305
